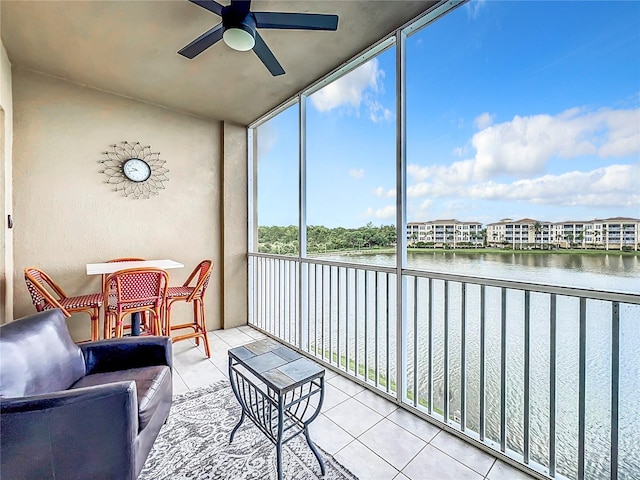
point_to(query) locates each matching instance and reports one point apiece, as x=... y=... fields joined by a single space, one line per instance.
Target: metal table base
x=279 y=390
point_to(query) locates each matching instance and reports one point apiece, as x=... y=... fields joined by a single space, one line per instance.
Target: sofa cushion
x=152 y=383
x=38 y=356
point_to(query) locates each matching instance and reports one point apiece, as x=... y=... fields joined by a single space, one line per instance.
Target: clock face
x=136 y=170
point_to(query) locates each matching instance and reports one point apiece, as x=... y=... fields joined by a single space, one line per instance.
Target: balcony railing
x=543 y=376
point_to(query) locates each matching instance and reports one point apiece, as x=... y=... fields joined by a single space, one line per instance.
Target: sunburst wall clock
x=135 y=170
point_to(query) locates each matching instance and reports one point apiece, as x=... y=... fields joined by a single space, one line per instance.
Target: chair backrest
x=203 y=273
x=120 y=260
x=43 y=290
x=135 y=288
x=38 y=355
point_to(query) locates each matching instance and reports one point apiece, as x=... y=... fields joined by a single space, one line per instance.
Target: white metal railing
x=538 y=374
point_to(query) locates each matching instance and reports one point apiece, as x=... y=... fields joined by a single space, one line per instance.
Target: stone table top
x=279 y=367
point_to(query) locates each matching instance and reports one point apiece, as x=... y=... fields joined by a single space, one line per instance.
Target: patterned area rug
x=194 y=444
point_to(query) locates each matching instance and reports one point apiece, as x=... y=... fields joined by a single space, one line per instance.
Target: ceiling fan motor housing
x=239 y=29
x=240 y=34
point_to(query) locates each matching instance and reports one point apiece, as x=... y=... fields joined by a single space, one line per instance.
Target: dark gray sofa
x=88 y=411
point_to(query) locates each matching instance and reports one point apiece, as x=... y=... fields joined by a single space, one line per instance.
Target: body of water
x=607 y=272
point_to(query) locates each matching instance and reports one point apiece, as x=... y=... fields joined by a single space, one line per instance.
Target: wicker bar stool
x=106 y=333
x=119 y=260
x=195 y=295
x=43 y=291
x=137 y=290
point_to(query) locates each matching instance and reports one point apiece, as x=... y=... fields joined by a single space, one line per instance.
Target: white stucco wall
x=67 y=216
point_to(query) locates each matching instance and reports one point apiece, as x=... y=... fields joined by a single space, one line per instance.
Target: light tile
x=178 y=384
x=353 y=416
x=332 y=397
x=503 y=471
x=414 y=424
x=217 y=344
x=200 y=375
x=239 y=340
x=392 y=442
x=221 y=364
x=180 y=347
x=188 y=356
x=220 y=356
x=244 y=329
x=233 y=338
x=184 y=365
x=329 y=374
x=225 y=373
x=345 y=385
x=252 y=332
x=364 y=463
x=464 y=452
x=374 y=401
x=432 y=464
x=329 y=436
x=383 y=446
x=221 y=332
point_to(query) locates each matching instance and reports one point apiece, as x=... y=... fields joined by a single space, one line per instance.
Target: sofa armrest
x=81 y=433
x=125 y=353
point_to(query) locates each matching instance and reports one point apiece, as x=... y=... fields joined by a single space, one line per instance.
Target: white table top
x=106 y=268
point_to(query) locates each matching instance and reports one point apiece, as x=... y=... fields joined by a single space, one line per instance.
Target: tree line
x=320 y=239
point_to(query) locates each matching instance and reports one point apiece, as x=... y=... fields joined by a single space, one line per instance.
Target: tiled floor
x=368 y=434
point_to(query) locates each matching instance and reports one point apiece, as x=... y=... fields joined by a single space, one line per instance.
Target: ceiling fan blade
x=297 y=21
x=266 y=55
x=203 y=42
x=210 y=5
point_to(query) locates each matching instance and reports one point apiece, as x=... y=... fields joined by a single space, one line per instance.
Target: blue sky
x=514 y=109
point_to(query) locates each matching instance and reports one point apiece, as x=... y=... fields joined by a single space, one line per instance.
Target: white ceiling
x=130 y=48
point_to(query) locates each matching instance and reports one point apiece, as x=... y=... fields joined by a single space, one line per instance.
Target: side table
x=279 y=390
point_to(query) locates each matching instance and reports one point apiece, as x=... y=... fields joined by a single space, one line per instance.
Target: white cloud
x=382 y=192
x=483 y=120
x=511 y=163
x=356 y=88
x=378 y=113
x=384 y=213
x=455 y=173
x=524 y=145
x=474 y=7
x=422 y=211
x=460 y=151
x=349 y=89
x=356 y=173
x=425 y=205
x=268 y=138
x=614 y=185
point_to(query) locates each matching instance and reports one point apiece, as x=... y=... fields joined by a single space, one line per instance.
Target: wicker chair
x=106 y=333
x=119 y=260
x=137 y=290
x=44 y=290
x=195 y=295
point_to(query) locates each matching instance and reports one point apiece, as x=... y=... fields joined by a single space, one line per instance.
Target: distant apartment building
x=445 y=232
x=614 y=233
x=520 y=233
x=610 y=233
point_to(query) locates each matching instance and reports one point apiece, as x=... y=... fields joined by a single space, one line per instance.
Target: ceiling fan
x=239 y=24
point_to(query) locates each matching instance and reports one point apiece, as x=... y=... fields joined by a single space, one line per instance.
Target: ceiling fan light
x=241 y=38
